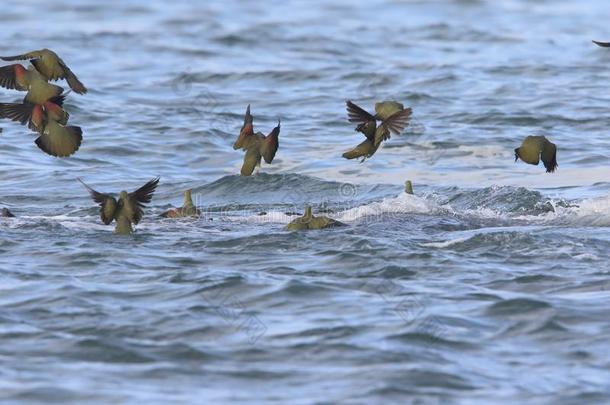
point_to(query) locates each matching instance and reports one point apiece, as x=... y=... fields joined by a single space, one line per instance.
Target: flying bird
x=390 y=117
x=127 y=210
x=188 y=209
x=256 y=145
x=49 y=121
x=535 y=148
x=51 y=66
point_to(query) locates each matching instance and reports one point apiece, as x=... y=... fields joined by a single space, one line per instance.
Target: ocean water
x=489 y=285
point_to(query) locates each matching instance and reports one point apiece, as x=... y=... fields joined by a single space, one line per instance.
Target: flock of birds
x=42 y=110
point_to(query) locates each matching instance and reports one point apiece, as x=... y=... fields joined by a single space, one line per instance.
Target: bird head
x=517 y=154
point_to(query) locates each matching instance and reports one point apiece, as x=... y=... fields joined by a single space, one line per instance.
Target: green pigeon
x=188 y=209
x=602 y=44
x=51 y=66
x=49 y=120
x=127 y=210
x=256 y=145
x=310 y=221
x=5 y=213
x=408 y=187
x=392 y=118
x=535 y=148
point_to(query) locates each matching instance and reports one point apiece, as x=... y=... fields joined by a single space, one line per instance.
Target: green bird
x=5 y=213
x=392 y=117
x=310 y=221
x=49 y=120
x=51 y=66
x=408 y=187
x=256 y=145
x=602 y=44
x=39 y=90
x=127 y=210
x=188 y=209
x=535 y=148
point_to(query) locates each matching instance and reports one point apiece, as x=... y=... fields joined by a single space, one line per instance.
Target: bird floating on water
x=188 y=209
x=535 y=148
x=392 y=117
x=127 y=210
x=310 y=221
x=51 y=66
x=256 y=145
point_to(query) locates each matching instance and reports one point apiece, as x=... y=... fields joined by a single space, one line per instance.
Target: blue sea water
x=489 y=285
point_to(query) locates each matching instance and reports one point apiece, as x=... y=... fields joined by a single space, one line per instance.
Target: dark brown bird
x=127 y=210
x=256 y=145
x=535 y=148
x=392 y=117
x=51 y=66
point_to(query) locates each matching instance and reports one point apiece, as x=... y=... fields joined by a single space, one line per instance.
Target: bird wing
x=19 y=112
x=602 y=44
x=107 y=203
x=357 y=114
x=142 y=196
x=395 y=124
x=8 y=77
x=71 y=78
x=549 y=156
x=270 y=144
x=29 y=55
x=246 y=131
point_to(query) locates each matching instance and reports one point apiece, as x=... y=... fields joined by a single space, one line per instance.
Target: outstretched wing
x=29 y=55
x=357 y=114
x=64 y=72
x=8 y=77
x=270 y=144
x=106 y=201
x=19 y=112
x=142 y=196
x=246 y=130
x=395 y=124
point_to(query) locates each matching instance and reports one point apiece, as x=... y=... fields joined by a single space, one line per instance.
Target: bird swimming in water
x=392 y=117
x=309 y=221
x=5 y=213
x=535 y=148
x=188 y=209
x=602 y=44
x=127 y=210
x=256 y=145
x=408 y=187
x=49 y=120
x=51 y=66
